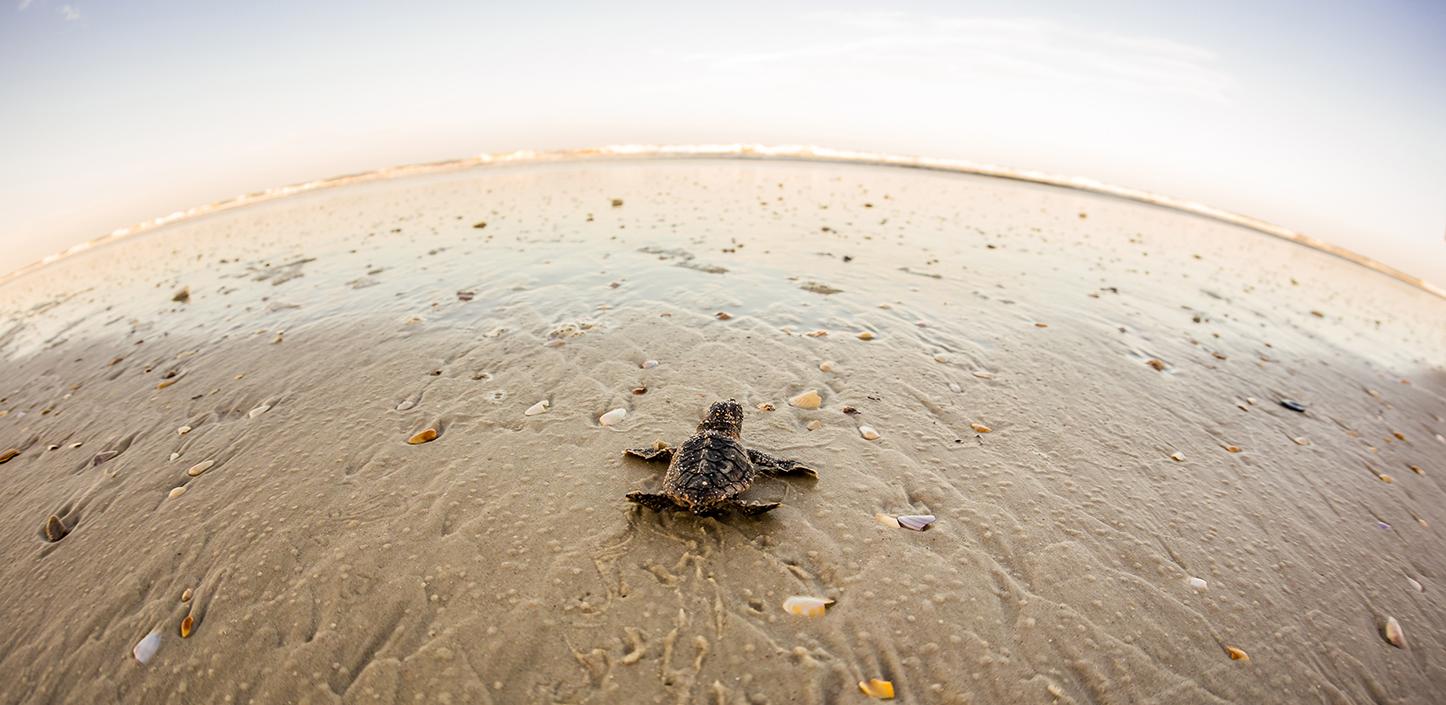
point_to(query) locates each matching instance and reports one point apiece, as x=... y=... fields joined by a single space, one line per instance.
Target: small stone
x=176 y=492
x=980 y=428
x=1417 y=469
x=198 y=468
x=613 y=418
x=466 y=295
x=851 y=411
x=1393 y=633
x=814 y=425
x=1156 y=363
x=480 y=224
x=1292 y=405
x=1385 y=478
x=807 y=400
x=723 y=316
x=955 y=388
x=186 y=596
x=183 y=430
x=649 y=364
x=182 y=295
x=617 y=203
x=1041 y=325
x=259 y=410
x=538 y=408
x=825 y=366
x=868 y=433
x=425 y=435
x=866 y=335
x=1197 y=583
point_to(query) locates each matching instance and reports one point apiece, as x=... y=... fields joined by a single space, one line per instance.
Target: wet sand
x=1117 y=353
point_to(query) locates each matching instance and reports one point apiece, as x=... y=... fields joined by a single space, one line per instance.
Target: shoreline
x=799 y=153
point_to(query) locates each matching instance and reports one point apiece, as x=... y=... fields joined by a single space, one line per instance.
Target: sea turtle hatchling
x=709 y=470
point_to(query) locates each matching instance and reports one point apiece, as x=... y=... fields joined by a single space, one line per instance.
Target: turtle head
x=725 y=417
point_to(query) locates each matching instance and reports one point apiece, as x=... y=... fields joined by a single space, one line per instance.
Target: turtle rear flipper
x=747 y=508
x=655 y=502
x=778 y=466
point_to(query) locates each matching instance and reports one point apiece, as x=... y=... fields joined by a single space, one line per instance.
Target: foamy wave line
x=738 y=151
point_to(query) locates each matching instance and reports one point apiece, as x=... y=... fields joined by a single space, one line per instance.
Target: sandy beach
x=1085 y=392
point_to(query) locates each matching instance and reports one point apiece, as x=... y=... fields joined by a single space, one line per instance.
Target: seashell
x=1394 y=634
x=1197 y=583
x=1177 y=456
x=1417 y=469
x=613 y=418
x=53 y=446
x=886 y=520
x=765 y=406
x=814 y=425
x=807 y=400
x=805 y=606
x=649 y=364
x=259 y=410
x=186 y=625
x=1301 y=441
x=175 y=455
x=868 y=433
x=980 y=428
x=876 y=688
x=406 y=404
x=1232 y=449
x=176 y=492
x=147 y=647
x=866 y=335
x=983 y=374
x=917 y=522
x=1416 y=584
x=8 y=454
x=167 y=382
x=1237 y=654
x=1385 y=478
x=1398 y=435
x=723 y=316
x=76 y=444
x=183 y=430
x=55 y=529
x=825 y=366
x=186 y=596
x=538 y=408
x=198 y=468
x=423 y=436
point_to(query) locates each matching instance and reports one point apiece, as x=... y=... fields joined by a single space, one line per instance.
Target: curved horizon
x=808 y=153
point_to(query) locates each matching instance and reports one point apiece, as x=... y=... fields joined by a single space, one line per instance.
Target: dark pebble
x=1293 y=405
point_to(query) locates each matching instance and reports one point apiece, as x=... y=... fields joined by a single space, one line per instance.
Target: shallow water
x=332 y=562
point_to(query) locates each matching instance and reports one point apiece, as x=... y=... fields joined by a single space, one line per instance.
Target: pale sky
x=1324 y=117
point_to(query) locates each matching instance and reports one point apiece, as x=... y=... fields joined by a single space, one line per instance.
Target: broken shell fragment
x=1394 y=634
x=723 y=316
x=1197 y=583
x=868 y=433
x=146 y=648
x=186 y=596
x=649 y=364
x=613 y=418
x=980 y=428
x=886 y=520
x=537 y=408
x=1232 y=449
x=183 y=430
x=917 y=522
x=8 y=453
x=259 y=410
x=423 y=436
x=54 y=529
x=807 y=400
x=186 y=625
x=1237 y=654
x=805 y=606
x=1177 y=456
x=176 y=492
x=198 y=468
x=875 y=688
x=765 y=406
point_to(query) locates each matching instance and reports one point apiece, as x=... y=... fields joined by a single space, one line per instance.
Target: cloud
x=70 y=13
x=24 y=4
x=1026 y=50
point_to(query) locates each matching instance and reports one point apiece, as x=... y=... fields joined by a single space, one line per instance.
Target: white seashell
x=1197 y=583
x=917 y=522
x=1177 y=457
x=177 y=492
x=955 y=388
x=406 y=404
x=147 y=647
x=1419 y=587
x=259 y=410
x=538 y=408
x=868 y=433
x=649 y=364
x=805 y=606
x=1394 y=633
x=175 y=455
x=183 y=430
x=807 y=400
x=613 y=418
x=198 y=468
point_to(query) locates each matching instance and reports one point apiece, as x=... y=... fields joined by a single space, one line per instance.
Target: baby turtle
x=708 y=472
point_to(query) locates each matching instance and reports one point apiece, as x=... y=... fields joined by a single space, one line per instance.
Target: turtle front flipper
x=655 y=502
x=659 y=452
x=778 y=466
x=747 y=508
